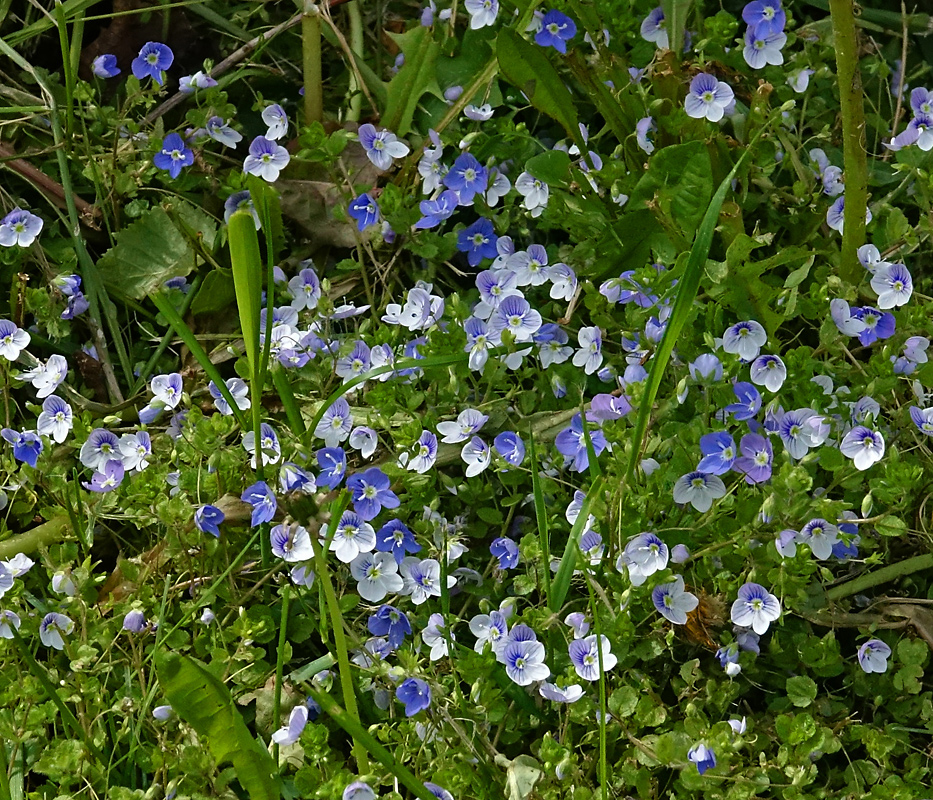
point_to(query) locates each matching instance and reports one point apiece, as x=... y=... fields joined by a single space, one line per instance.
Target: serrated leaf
x=417 y=76
x=527 y=68
x=205 y=703
x=679 y=181
x=149 y=252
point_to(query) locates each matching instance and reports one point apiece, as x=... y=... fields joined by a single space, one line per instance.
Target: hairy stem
x=880 y=576
x=356 y=45
x=311 y=62
x=853 y=135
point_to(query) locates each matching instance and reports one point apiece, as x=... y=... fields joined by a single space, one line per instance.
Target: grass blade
x=686 y=293
x=561 y=584
x=541 y=518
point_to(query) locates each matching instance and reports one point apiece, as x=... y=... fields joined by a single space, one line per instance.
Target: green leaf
x=417 y=76
x=521 y=776
x=801 y=690
x=205 y=703
x=147 y=253
x=561 y=583
x=216 y=294
x=891 y=526
x=675 y=18
x=246 y=261
x=679 y=181
x=552 y=167
x=627 y=244
x=527 y=68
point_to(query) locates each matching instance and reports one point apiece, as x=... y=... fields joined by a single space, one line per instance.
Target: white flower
x=863 y=445
x=699 y=489
x=744 y=339
x=756 y=608
x=534 y=190
x=482 y=12
x=590 y=355
x=585 y=655
x=469 y=421
x=289 y=733
x=434 y=638
x=768 y=371
x=893 y=284
x=376 y=575
x=821 y=536
x=673 y=601
x=422 y=579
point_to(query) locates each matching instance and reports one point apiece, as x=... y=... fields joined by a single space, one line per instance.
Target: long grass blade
x=687 y=290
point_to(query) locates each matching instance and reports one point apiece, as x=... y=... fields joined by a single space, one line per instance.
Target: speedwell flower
x=873 y=656
x=556 y=30
x=708 y=98
x=863 y=445
x=381 y=147
x=755 y=608
x=673 y=601
x=153 y=59
x=699 y=489
x=266 y=159
x=19 y=227
x=585 y=657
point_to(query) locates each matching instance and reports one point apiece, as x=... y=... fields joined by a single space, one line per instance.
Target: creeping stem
x=853 y=135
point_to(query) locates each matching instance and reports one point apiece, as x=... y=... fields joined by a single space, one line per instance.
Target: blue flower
x=702 y=756
x=27 y=445
x=755 y=462
x=389 y=621
x=105 y=66
x=510 y=446
x=571 y=444
x=371 y=493
x=718 y=453
x=415 y=694
x=749 y=402
x=506 y=551
x=436 y=211
x=152 y=60
x=106 y=479
x=174 y=155
x=200 y=80
x=556 y=30
x=333 y=464
x=208 y=518
x=878 y=324
x=467 y=177
x=135 y=621
x=263 y=501
x=765 y=17
x=365 y=211
x=478 y=241
x=241 y=201
x=394 y=537
x=654 y=29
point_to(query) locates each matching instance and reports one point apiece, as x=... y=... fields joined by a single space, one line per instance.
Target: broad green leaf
x=627 y=244
x=526 y=67
x=202 y=700
x=552 y=167
x=216 y=294
x=801 y=690
x=521 y=776
x=679 y=181
x=147 y=253
x=417 y=76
